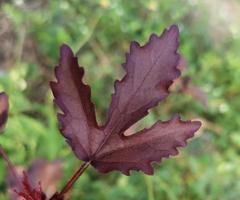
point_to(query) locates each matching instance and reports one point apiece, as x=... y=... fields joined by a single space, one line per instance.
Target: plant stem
x=74 y=178
x=11 y=167
x=150 y=188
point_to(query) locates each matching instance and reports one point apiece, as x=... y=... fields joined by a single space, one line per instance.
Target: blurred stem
x=92 y=27
x=11 y=167
x=150 y=190
x=19 y=46
x=74 y=178
x=99 y=53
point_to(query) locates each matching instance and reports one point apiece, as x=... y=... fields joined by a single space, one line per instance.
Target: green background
x=100 y=32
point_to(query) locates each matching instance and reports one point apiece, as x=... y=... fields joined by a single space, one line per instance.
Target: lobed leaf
x=78 y=121
x=150 y=70
x=139 y=150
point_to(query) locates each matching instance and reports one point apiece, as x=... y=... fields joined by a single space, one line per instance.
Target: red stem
x=74 y=178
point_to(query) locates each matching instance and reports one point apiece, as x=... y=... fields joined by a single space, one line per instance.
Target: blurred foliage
x=100 y=32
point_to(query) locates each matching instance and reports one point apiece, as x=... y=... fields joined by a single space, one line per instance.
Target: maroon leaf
x=41 y=176
x=138 y=150
x=185 y=85
x=73 y=97
x=150 y=70
x=27 y=192
x=196 y=92
x=3 y=109
x=20 y=187
x=41 y=173
x=46 y=173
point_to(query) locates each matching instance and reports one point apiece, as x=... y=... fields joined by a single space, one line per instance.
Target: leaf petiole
x=74 y=178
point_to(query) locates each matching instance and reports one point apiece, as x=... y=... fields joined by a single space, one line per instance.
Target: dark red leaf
x=3 y=109
x=47 y=173
x=20 y=187
x=78 y=123
x=27 y=191
x=41 y=176
x=150 y=70
x=196 y=92
x=185 y=85
x=138 y=150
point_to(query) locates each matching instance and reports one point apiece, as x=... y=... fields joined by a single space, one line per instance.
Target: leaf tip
x=65 y=51
x=64 y=47
x=148 y=169
x=134 y=45
x=174 y=28
x=153 y=37
x=197 y=125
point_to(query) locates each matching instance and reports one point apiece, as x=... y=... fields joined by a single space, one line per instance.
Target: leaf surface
x=139 y=150
x=150 y=70
x=78 y=120
x=46 y=173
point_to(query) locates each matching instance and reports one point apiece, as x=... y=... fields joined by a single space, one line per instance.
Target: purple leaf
x=78 y=123
x=150 y=70
x=40 y=176
x=138 y=150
